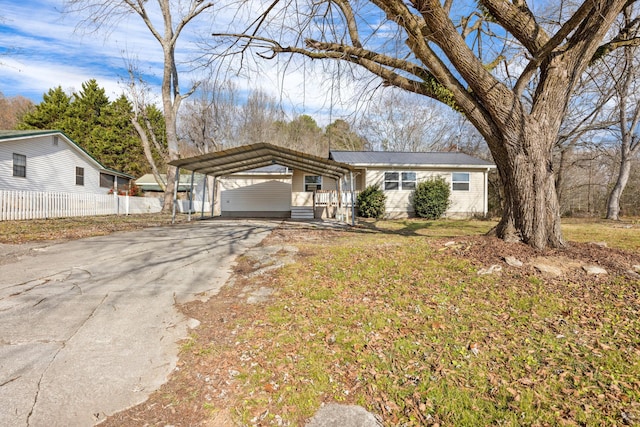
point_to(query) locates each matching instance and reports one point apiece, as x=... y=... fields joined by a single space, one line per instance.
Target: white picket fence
x=17 y=205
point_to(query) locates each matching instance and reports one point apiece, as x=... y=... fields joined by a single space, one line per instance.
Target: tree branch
x=518 y=20
x=549 y=46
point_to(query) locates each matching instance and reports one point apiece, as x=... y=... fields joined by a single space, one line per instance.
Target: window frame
x=404 y=181
x=104 y=177
x=394 y=181
x=399 y=182
x=317 y=184
x=19 y=165
x=79 y=176
x=460 y=182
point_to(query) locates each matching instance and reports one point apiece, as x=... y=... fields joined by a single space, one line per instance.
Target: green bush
x=371 y=202
x=431 y=198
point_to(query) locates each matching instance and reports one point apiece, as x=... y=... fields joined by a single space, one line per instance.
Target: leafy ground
x=395 y=317
x=77 y=228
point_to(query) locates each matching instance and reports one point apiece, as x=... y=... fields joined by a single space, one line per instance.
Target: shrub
x=431 y=198
x=371 y=202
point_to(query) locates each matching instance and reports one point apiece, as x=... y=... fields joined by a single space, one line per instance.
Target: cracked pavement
x=89 y=327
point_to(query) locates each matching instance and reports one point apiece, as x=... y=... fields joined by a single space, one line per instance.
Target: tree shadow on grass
x=442 y=228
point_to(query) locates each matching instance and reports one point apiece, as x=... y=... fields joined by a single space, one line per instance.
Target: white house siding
x=257 y=197
x=49 y=167
x=472 y=202
x=463 y=203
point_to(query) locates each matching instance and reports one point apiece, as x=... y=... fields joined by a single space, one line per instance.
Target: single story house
x=264 y=180
x=398 y=173
x=49 y=161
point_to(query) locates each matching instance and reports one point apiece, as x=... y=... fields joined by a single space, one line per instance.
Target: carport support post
x=213 y=195
x=353 y=199
x=204 y=195
x=175 y=195
x=191 y=196
x=339 y=210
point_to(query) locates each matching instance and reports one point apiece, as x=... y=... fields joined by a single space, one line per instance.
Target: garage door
x=255 y=198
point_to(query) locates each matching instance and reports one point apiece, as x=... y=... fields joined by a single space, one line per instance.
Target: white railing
x=17 y=205
x=330 y=198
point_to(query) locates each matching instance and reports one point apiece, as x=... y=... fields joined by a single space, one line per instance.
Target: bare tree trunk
x=531 y=209
x=628 y=124
x=146 y=147
x=613 y=204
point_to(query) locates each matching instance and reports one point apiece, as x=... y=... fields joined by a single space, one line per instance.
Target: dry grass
x=77 y=227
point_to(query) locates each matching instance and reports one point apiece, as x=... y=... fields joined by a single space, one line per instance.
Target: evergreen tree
x=102 y=128
x=116 y=142
x=51 y=113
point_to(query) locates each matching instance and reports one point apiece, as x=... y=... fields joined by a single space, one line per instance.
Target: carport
x=248 y=157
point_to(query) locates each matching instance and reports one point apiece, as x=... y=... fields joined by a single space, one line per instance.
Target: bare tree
x=626 y=77
x=587 y=117
x=259 y=114
x=12 y=109
x=175 y=15
x=210 y=118
x=418 y=46
x=148 y=132
x=340 y=136
x=397 y=121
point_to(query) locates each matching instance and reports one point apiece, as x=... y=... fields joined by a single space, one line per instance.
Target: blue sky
x=42 y=48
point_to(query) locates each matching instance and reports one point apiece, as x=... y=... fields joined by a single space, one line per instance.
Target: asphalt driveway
x=89 y=327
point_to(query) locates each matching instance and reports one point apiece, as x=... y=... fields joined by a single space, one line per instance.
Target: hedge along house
x=398 y=173
x=49 y=161
x=263 y=180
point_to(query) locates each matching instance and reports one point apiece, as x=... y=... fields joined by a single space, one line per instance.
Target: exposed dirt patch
x=216 y=380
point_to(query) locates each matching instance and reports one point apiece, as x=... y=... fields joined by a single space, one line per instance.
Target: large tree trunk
x=531 y=209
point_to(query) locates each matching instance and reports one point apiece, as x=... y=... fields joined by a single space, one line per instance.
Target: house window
x=19 y=165
x=55 y=141
x=312 y=183
x=408 y=180
x=460 y=181
x=79 y=176
x=391 y=180
x=399 y=180
x=107 y=181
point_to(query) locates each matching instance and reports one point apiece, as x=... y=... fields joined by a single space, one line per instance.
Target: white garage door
x=255 y=198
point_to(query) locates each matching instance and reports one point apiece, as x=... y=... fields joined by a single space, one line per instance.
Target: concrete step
x=302 y=212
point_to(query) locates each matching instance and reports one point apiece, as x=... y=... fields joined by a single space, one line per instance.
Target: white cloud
x=46 y=51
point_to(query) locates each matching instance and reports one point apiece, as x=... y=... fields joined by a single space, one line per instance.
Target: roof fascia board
x=421 y=166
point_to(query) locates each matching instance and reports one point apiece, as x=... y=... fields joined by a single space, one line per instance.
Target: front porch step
x=302 y=212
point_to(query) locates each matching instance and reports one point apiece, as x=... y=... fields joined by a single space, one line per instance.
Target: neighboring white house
x=264 y=180
x=397 y=174
x=49 y=161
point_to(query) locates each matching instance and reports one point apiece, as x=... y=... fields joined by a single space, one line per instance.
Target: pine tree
x=51 y=113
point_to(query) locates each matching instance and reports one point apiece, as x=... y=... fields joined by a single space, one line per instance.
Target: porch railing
x=330 y=198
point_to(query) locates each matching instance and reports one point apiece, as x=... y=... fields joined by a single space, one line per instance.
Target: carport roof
x=253 y=156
